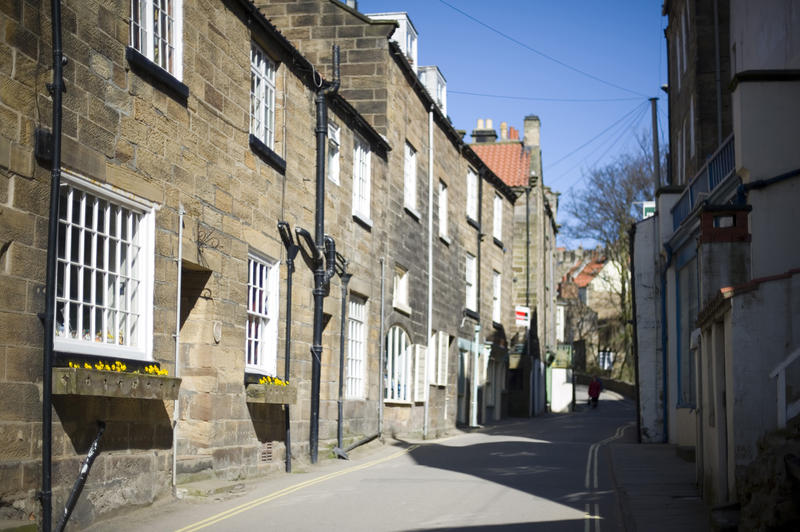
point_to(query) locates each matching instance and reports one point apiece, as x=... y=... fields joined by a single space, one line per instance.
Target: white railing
x=790 y=410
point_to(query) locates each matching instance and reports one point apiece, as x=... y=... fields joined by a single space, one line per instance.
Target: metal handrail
x=785 y=411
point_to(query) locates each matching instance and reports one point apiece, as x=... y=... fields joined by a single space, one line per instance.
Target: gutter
x=177 y=406
x=426 y=411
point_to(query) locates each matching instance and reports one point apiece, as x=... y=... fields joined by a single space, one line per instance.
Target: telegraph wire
x=538 y=99
x=542 y=54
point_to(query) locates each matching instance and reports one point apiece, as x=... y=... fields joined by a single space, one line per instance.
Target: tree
x=604 y=211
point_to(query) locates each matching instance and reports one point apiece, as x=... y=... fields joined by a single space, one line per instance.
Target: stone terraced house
x=188 y=133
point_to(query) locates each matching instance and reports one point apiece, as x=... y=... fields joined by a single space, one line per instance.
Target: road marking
x=592 y=479
x=214 y=519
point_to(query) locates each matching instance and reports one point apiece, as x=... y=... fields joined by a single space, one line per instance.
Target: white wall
x=561 y=397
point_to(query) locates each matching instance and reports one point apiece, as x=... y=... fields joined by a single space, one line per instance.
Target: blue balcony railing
x=716 y=169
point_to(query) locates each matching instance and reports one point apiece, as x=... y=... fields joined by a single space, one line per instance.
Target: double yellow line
x=214 y=519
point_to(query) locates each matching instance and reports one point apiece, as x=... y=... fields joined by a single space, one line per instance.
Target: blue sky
x=621 y=42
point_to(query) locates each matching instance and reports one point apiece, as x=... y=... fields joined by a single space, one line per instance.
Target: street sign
x=523 y=315
x=648 y=209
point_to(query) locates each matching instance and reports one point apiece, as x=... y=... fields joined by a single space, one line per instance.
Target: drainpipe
x=631 y=250
x=323 y=270
x=56 y=89
x=291 y=252
x=430 y=271
x=177 y=406
x=532 y=378
x=717 y=74
x=664 y=343
x=473 y=418
x=341 y=269
x=381 y=391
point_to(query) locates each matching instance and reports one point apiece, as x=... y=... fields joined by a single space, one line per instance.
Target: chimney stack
x=503 y=130
x=531 y=141
x=484 y=134
x=513 y=133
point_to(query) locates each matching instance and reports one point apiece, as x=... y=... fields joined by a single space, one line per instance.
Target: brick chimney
x=513 y=133
x=484 y=134
x=531 y=141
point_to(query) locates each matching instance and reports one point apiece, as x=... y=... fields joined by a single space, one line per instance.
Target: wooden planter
x=100 y=383
x=272 y=394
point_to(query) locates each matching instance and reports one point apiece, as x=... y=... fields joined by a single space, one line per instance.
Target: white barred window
x=156 y=32
x=333 y=152
x=262 y=96
x=397 y=373
x=262 y=316
x=497 y=287
x=437 y=361
x=361 y=179
x=104 y=283
x=497 y=219
x=356 y=349
x=471 y=278
x=410 y=178
x=442 y=209
x=472 y=195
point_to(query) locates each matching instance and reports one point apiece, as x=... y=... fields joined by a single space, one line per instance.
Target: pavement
x=649 y=486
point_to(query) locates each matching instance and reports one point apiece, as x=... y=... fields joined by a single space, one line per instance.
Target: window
x=410 y=178
x=442 y=209
x=420 y=373
x=156 y=33
x=104 y=283
x=437 y=361
x=262 y=316
x=262 y=96
x=497 y=222
x=397 y=373
x=356 y=348
x=496 y=291
x=472 y=195
x=361 y=178
x=400 y=300
x=472 y=284
x=333 y=152
x=686 y=308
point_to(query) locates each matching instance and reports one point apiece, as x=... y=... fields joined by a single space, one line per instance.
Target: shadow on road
x=571 y=525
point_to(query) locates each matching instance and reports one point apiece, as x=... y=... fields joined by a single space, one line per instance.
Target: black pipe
x=56 y=89
x=77 y=488
x=631 y=251
x=341 y=269
x=291 y=254
x=322 y=272
x=361 y=442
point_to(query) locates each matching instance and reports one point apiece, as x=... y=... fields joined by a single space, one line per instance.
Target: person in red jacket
x=594 y=390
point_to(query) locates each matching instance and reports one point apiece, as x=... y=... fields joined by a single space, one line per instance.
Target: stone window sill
x=100 y=383
x=413 y=212
x=272 y=394
x=445 y=239
x=363 y=220
x=147 y=69
x=474 y=223
x=266 y=153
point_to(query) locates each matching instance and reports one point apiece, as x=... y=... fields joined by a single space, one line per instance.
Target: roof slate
x=508 y=160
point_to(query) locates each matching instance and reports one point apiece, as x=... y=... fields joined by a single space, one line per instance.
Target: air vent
x=265 y=453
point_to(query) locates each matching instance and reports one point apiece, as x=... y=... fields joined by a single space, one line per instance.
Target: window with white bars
x=397 y=373
x=334 y=135
x=156 y=32
x=262 y=96
x=438 y=358
x=420 y=373
x=472 y=194
x=443 y=209
x=400 y=292
x=410 y=178
x=355 y=386
x=497 y=220
x=496 y=294
x=361 y=178
x=262 y=316
x=104 y=276
x=471 y=279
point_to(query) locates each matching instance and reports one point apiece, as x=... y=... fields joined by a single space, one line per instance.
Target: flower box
x=272 y=394
x=101 y=383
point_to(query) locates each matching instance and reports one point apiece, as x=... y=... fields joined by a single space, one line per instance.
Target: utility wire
x=542 y=54
x=536 y=99
x=573 y=152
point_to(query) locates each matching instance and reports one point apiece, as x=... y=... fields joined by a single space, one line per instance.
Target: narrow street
x=545 y=473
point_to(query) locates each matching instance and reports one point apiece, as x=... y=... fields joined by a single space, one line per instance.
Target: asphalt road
x=547 y=473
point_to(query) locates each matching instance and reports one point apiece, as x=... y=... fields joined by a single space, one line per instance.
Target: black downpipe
x=323 y=271
x=341 y=270
x=77 y=488
x=56 y=89
x=631 y=251
x=291 y=253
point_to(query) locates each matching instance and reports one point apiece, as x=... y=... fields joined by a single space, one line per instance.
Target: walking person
x=595 y=387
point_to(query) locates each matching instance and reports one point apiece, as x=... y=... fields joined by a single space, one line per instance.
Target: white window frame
x=497 y=218
x=410 y=178
x=420 y=373
x=472 y=194
x=123 y=270
x=145 y=32
x=471 y=279
x=361 y=179
x=262 y=95
x=400 y=292
x=397 y=373
x=334 y=148
x=443 y=228
x=263 y=307
x=438 y=359
x=497 y=290
x=355 y=385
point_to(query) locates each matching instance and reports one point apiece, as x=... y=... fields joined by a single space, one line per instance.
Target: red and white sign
x=523 y=315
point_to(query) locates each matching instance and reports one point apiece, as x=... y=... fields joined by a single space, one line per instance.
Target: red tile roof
x=589 y=272
x=508 y=160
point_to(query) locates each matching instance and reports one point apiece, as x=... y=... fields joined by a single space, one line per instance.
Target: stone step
x=208 y=488
x=194 y=468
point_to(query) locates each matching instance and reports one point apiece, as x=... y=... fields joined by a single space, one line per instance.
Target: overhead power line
x=542 y=99
x=542 y=54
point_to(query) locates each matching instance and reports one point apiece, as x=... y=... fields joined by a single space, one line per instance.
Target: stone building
x=183 y=147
